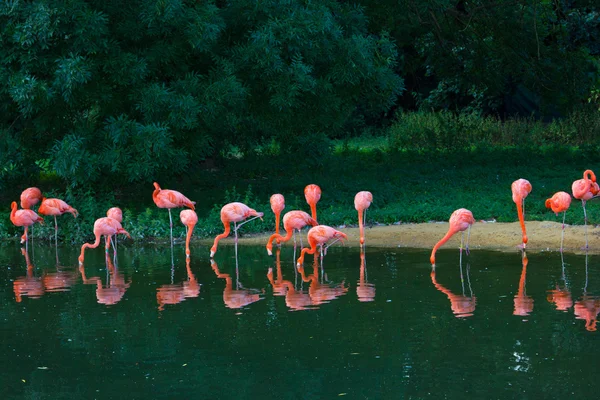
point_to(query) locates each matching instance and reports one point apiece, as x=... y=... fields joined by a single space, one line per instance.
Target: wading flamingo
x=560 y=202
x=107 y=227
x=277 y=205
x=520 y=189
x=24 y=218
x=312 y=194
x=56 y=207
x=115 y=213
x=29 y=198
x=189 y=219
x=292 y=221
x=234 y=212
x=523 y=303
x=164 y=198
x=319 y=235
x=362 y=201
x=584 y=189
x=460 y=221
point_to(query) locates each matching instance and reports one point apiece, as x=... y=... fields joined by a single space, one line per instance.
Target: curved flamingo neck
x=591 y=174
x=188 y=238
x=313 y=211
x=221 y=236
x=13 y=210
x=277 y=236
x=443 y=240
x=90 y=245
x=522 y=219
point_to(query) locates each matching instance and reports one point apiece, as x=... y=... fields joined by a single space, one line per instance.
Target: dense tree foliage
x=129 y=91
x=106 y=93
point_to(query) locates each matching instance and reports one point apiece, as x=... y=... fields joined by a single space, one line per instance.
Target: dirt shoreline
x=543 y=236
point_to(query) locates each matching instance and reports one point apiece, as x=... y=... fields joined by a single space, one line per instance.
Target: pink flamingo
x=189 y=219
x=234 y=212
x=520 y=189
x=30 y=197
x=560 y=202
x=584 y=189
x=170 y=199
x=292 y=221
x=277 y=205
x=362 y=201
x=56 y=207
x=319 y=235
x=107 y=227
x=460 y=221
x=312 y=194
x=25 y=218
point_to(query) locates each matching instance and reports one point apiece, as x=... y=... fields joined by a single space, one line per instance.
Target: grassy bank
x=409 y=183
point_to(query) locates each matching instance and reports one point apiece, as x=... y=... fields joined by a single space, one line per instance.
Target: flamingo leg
x=55 y=231
x=235 y=228
x=113 y=245
x=171 y=225
x=248 y=220
x=562 y=235
x=294 y=233
x=468 y=237
x=585 y=224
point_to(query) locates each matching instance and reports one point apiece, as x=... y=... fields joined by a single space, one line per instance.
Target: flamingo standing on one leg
x=56 y=207
x=24 y=218
x=460 y=221
x=560 y=202
x=164 y=198
x=584 y=189
x=520 y=189
x=362 y=201
x=29 y=198
x=277 y=205
x=234 y=212
x=312 y=194
x=319 y=235
x=117 y=214
x=107 y=227
x=189 y=219
x=292 y=220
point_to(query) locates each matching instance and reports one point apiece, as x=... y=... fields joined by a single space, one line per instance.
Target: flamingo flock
x=319 y=237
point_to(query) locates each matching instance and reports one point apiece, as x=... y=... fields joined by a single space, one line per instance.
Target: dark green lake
x=146 y=330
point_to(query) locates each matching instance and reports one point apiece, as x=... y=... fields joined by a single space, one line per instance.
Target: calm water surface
x=379 y=325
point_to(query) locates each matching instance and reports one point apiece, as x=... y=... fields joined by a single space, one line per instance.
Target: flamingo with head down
x=107 y=227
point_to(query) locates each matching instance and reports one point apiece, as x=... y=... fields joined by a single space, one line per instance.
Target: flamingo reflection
x=561 y=296
x=294 y=299
x=28 y=285
x=462 y=305
x=365 y=291
x=320 y=292
x=115 y=287
x=174 y=294
x=240 y=296
x=588 y=307
x=523 y=303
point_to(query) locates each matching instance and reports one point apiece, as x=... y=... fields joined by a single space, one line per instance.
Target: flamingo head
x=340 y=235
x=13 y=205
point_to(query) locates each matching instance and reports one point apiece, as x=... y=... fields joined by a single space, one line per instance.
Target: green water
x=294 y=339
